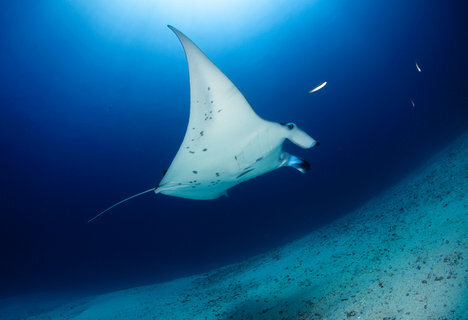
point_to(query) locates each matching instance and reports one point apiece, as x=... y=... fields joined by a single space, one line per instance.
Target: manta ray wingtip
x=174 y=29
x=178 y=33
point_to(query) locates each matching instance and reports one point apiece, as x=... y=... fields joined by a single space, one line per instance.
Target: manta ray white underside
x=226 y=142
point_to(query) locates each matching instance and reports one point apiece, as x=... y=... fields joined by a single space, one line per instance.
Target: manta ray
x=226 y=142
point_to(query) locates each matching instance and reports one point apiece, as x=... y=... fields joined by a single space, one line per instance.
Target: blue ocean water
x=94 y=102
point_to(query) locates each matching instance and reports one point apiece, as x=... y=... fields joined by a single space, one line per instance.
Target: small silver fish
x=317 y=88
x=417 y=67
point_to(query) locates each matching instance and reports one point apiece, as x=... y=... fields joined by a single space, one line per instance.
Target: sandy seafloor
x=403 y=255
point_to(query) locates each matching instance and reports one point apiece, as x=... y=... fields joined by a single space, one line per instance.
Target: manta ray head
x=298 y=136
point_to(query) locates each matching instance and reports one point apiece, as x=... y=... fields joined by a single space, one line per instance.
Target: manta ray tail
x=122 y=201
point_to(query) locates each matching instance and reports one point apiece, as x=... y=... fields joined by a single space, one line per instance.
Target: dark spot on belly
x=219 y=110
x=209 y=88
x=235 y=157
x=211 y=101
x=192 y=151
x=205 y=149
x=217 y=174
x=195 y=171
x=201 y=133
x=259 y=159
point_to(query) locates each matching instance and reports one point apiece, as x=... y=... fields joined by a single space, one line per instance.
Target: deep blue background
x=91 y=114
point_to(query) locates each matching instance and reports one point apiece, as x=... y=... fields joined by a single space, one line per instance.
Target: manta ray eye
x=290 y=125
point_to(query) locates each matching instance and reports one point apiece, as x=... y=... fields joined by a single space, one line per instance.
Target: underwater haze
x=95 y=99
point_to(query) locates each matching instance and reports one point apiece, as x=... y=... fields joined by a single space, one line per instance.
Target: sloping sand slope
x=401 y=256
